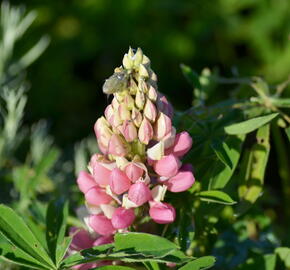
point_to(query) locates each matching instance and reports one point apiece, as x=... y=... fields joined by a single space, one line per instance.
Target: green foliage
x=249 y=125
x=216 y=196
x=200 y=263
x=237 y=210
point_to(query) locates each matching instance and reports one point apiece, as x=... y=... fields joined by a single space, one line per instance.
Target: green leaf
x=62 y=249
x=131 y=247
x=88 y=255
x=284 y=254
x=253 y=170
x=216 y=196
x=222 y=151
x=219 y=174
x=287 y=130
x=144 y=243
x=17 y=232
x=13 y=254
x=199 y=264
x=265 y=262
x=249 y=125
x=151 y=265
x=56 y=216
x=280 y=102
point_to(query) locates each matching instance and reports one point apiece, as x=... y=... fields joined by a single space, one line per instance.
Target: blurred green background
x=89 y=37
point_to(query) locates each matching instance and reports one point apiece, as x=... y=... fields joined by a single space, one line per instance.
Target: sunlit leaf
x=249 y=125
x=13 y=254
x=20 y=236
x=144 y=243
x=253 y=170
x=200 y=263
x=284 y=254
x=216 y=196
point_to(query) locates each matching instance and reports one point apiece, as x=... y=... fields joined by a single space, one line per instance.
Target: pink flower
x=129 y=131
x=97 y=196
x=81 y=239
x=85 y=181
x=123 y=111
x=123 y=218
x=150 y=110
x=162 y=213
x=117 y=146
x=139 y=193
x=145 y=133
x=102 y=240
x=182 y=144
x=103 y=134
x=182 y=181
x=133 y=171
x=162 y=126
x=167 y=166
x=101 y=224
x=119 y=182
x=101 y=170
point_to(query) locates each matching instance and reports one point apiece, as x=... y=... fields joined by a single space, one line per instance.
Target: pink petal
x=102 y=240
x=162 y=213
x=119 y=182
x=182 y=181
x=182 y=144
x=85 y=181
x=117 y=146
x=81 y=239
x=145 y=132
x=129 y=131
x=162 y=126
x=139 y=193
x=97 y=196
x=100 y=173
x=123 y=218
x=167 y=166
x=101 y=225
x=133 y=171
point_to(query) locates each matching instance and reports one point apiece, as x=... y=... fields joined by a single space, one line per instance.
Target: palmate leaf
x=250 y=125
x=144 y=243
x=13 y=254
x=56 y=216
x=131 y=247
x=14 y=229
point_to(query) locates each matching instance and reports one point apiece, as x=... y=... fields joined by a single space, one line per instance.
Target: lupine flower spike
x=140 y=153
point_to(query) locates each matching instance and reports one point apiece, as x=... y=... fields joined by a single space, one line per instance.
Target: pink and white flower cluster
x=141 y=153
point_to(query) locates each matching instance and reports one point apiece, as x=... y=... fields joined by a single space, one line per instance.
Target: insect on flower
x=116 y=83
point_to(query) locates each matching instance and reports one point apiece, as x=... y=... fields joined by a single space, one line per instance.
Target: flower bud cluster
x=141 y=153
